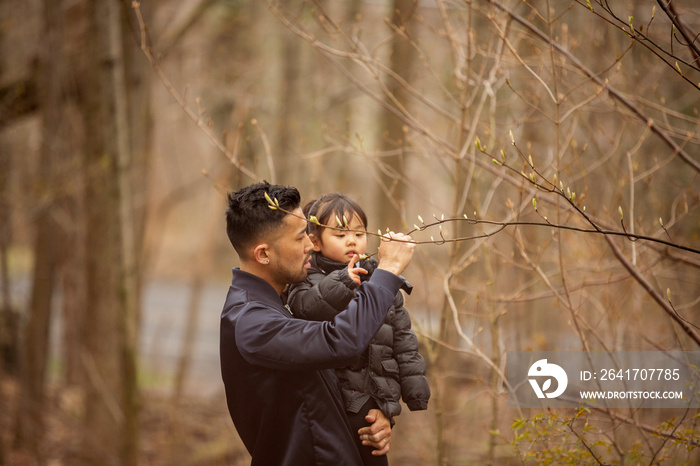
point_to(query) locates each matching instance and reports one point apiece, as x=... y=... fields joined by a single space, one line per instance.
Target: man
x=281 y=389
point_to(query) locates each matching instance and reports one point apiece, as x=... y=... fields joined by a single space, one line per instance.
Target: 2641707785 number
x=640 y=374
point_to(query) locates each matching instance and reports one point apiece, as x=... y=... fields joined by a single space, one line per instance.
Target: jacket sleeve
x=273 y=339
x=323 y=300
x=415 y=390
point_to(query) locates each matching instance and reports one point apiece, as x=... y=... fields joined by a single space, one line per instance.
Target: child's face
x=341 y=245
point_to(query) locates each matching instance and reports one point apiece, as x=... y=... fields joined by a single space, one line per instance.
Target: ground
x=195 y=431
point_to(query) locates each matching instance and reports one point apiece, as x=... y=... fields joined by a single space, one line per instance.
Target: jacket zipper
x=369 y=368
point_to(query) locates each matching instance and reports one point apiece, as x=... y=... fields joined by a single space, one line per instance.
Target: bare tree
x=393 y=136
x=48 y=238
x=110 y=326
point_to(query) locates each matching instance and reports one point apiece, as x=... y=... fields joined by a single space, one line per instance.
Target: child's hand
x=354 y=272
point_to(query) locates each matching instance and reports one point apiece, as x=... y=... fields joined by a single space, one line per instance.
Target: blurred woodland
x=546 y=153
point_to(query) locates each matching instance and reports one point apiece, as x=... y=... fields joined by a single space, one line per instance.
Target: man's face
x=291 y=250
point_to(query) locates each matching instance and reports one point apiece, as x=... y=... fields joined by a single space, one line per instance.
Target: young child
x=390 y=368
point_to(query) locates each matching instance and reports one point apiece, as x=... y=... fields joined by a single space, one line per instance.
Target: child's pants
x=357 y=422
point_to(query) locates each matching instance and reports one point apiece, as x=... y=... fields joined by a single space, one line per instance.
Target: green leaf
x=517 y=424
x=268 y=199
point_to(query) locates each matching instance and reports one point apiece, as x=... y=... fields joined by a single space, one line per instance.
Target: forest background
x=544 y=152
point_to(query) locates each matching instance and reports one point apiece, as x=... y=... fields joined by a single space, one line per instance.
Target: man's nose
x=308 y=245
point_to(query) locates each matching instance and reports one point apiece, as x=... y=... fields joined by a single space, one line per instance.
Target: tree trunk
x=47 y=237
x=5 y=305
x=109 y=356
x=289 y=126
x=392 y=213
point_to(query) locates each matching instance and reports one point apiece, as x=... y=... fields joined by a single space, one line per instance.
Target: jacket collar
x=327 y=266
x=255 y=287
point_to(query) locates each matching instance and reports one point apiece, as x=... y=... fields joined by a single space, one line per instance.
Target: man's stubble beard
x=292 y=278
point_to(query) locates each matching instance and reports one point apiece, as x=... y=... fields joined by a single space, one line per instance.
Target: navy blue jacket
x=281 y=389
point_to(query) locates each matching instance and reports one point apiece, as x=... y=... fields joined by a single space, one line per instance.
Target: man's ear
x=315 y=241
x=261 y=254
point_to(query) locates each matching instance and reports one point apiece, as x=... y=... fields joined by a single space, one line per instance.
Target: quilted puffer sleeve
x=321 y=296
x=415 y=390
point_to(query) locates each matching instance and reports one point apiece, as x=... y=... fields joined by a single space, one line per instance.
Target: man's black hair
x=249 y=217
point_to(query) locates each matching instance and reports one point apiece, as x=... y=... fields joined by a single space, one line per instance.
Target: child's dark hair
x=329 y=206
x=249 y=217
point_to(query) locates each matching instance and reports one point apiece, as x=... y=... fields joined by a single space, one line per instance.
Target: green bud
x=512 y=139
x=661 y=221
x=534 y=203
x=529 y=159
x=619 y=209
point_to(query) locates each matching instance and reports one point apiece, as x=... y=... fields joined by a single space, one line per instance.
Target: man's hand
x=378 y=434
x=354 y=272
x=395 y=252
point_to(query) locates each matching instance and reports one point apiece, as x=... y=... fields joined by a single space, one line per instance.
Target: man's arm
x=271 y=339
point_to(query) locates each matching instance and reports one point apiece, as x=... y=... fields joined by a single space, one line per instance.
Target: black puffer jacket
x=391 y=367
